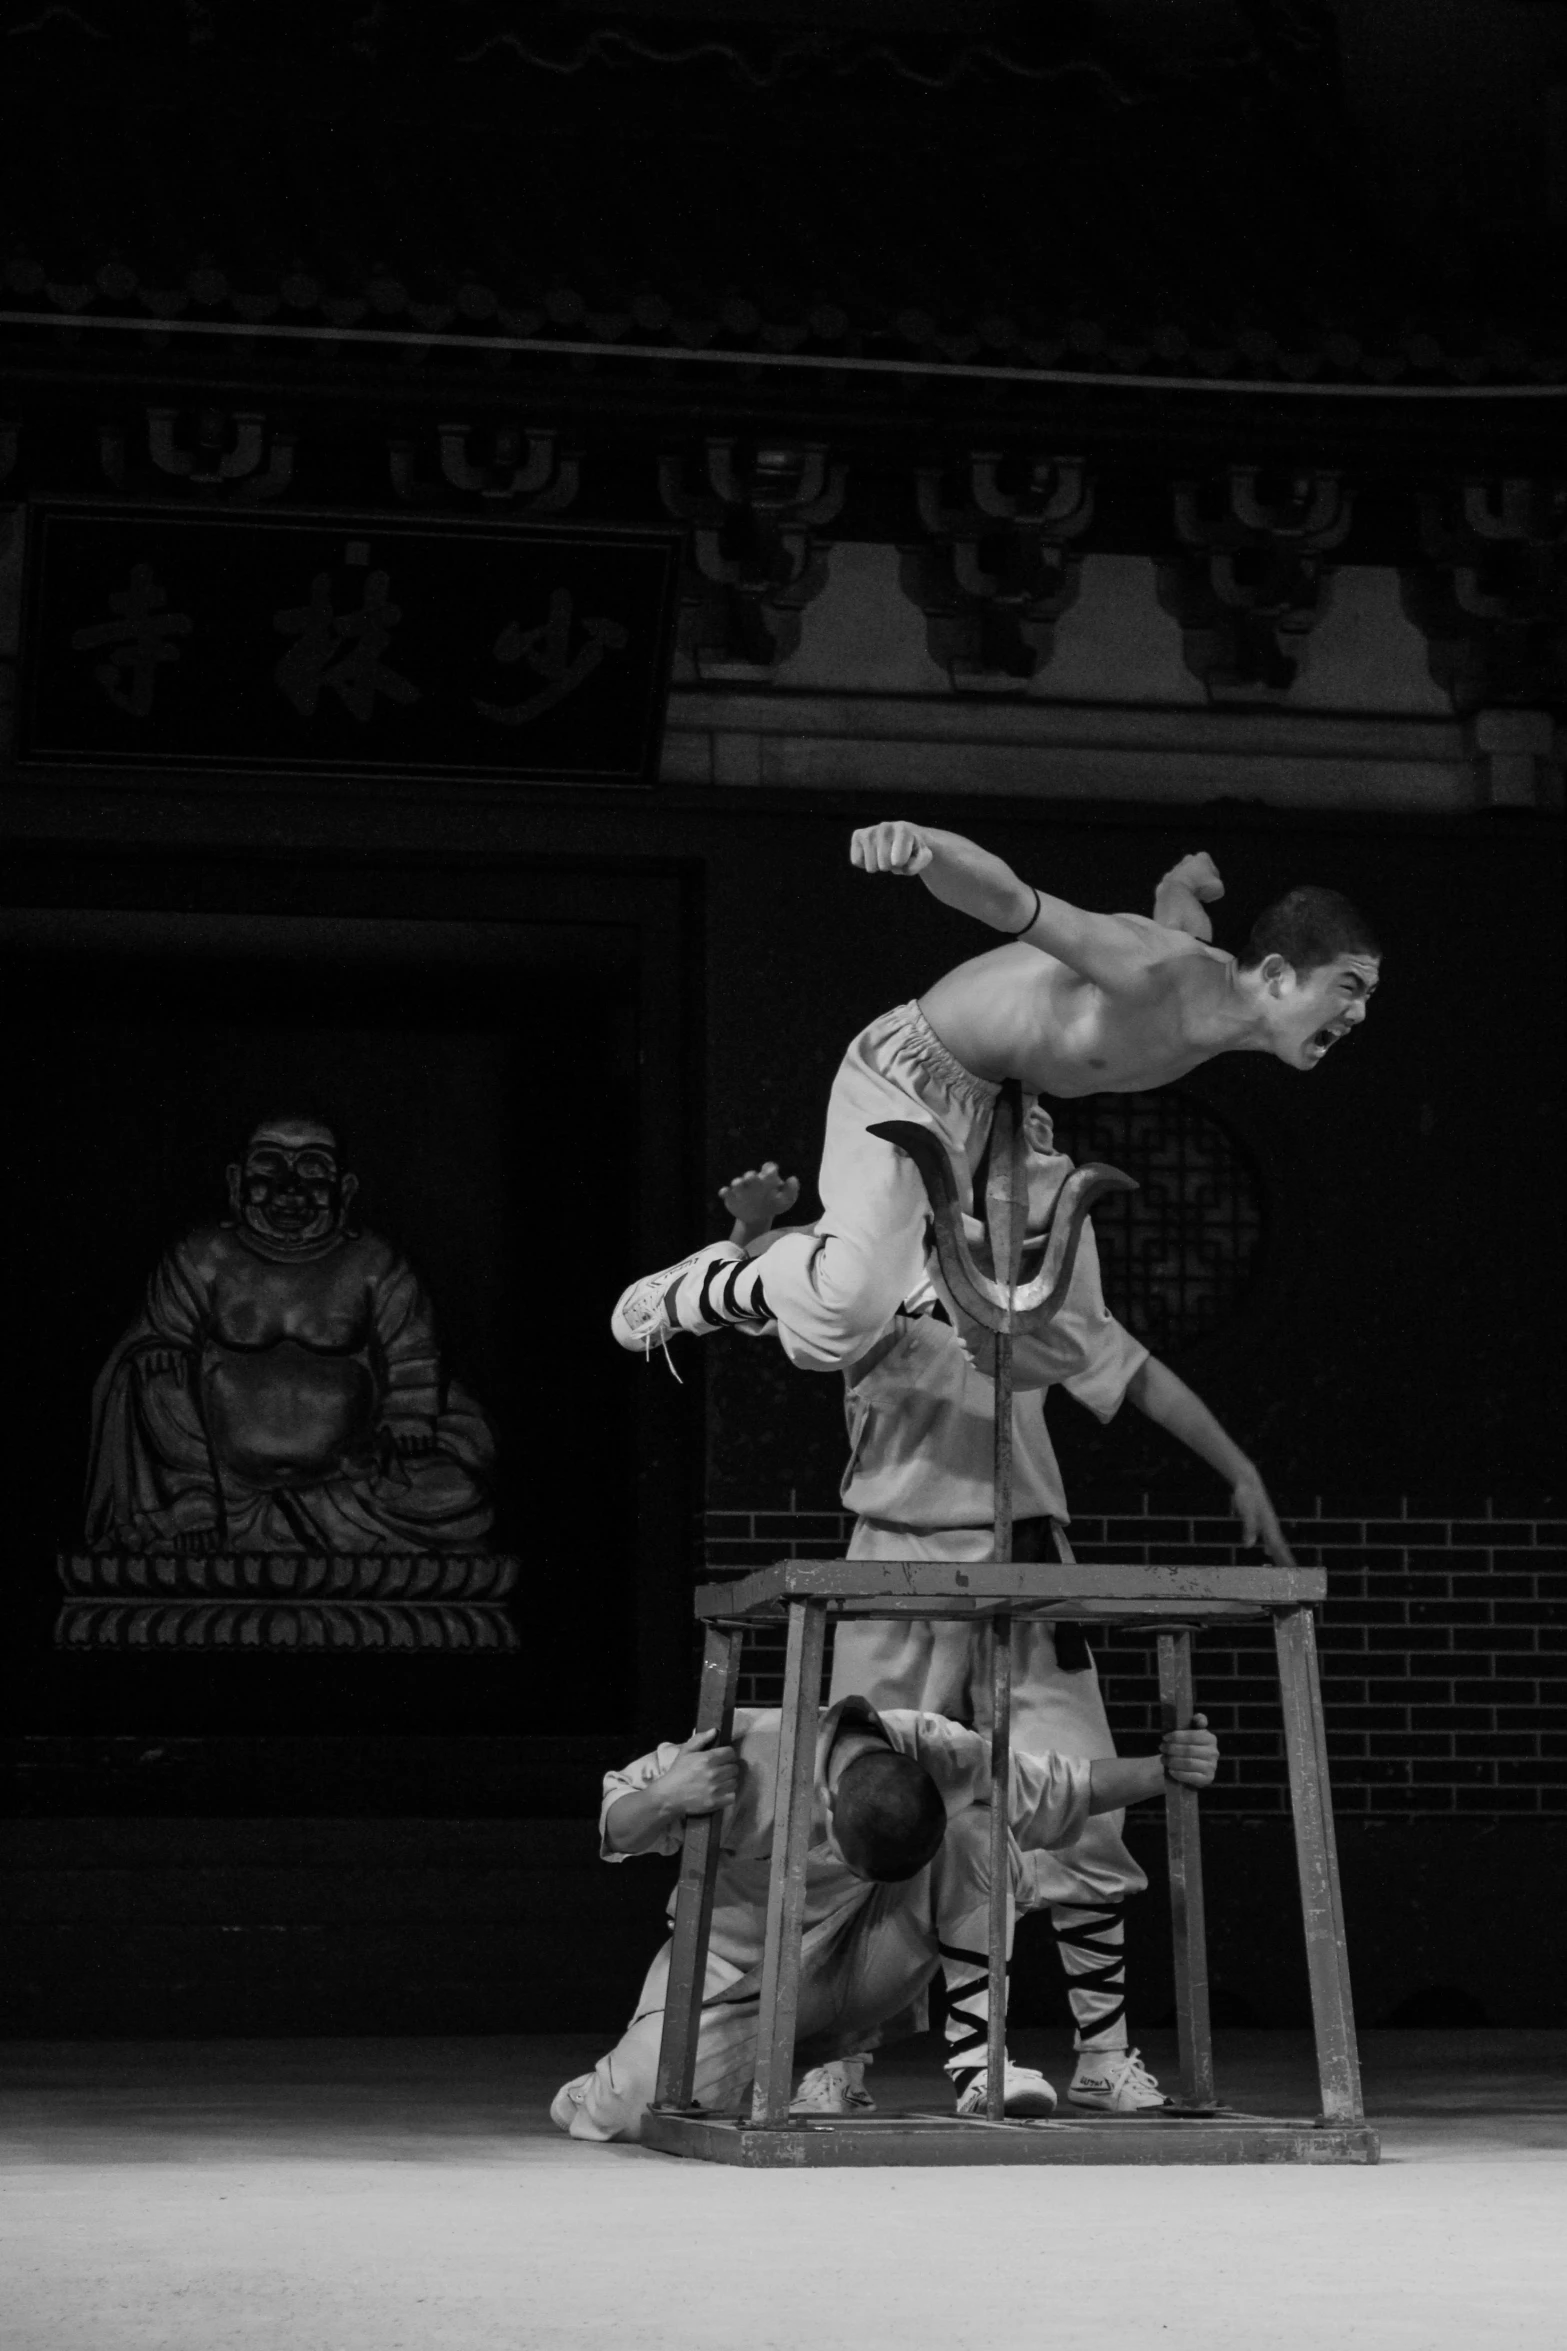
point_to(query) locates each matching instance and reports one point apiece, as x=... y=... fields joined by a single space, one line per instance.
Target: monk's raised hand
x=894 y=847
x=1200 y=875
x=755 y=1198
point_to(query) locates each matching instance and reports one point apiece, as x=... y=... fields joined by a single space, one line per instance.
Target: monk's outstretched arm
x=1155 y=1389
x=1100 y=948
x=1189 y=1757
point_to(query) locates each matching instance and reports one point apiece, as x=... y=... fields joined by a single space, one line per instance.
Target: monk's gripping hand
x=1190 y=1757
x=895 y=847
x=702 y=1778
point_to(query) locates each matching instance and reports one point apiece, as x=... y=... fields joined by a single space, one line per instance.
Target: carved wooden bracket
x=999 y=567
x=506 y=465
x=1252 y=580
x=753 y=563
x=1490 y=598
x=1490 y=595
x=216 y=452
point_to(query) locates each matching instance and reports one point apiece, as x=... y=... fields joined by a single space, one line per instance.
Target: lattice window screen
x=1177 y=1255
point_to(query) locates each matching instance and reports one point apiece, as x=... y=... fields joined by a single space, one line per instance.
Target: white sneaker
x=567 y=2099
x=1115 y=2081
x=645 y=1317
x=837 y=2088
x=1027 y=2094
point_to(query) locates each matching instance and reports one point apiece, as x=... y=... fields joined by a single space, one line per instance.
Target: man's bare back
x=1081 y=1003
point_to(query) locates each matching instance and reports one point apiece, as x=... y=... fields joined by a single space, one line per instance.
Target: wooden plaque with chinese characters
x=162 y=637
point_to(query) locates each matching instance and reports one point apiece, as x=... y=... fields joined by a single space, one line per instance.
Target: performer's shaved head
x=1309 y=927
x=887 y=1815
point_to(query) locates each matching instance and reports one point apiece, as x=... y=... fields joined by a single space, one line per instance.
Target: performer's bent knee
x=824 y=1353
x=831 y=1305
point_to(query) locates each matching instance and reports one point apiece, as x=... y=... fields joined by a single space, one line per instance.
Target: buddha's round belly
x=286 y=1416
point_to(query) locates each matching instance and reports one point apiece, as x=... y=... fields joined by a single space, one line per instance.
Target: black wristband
x=1033 y=918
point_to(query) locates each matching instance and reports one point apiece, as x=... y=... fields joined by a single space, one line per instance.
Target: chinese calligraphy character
x=140 y=637
x=341 y=650
x=546 y=652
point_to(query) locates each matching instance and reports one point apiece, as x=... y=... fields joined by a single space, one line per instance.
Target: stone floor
x=411 y=2196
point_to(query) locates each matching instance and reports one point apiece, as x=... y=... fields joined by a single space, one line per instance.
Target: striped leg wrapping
x=732 y=1294
x=1091 y=1938
x=967 y=1975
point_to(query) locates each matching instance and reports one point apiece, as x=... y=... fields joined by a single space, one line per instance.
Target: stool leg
x=797 y=1734
x=715 y=1709
x=1000 y=1861
x=1327 y=1963
x=1188 y=1925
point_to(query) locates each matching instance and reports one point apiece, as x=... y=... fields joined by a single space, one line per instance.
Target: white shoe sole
x=642 y=1319
x=1116 y=2105
x=1032 y=2105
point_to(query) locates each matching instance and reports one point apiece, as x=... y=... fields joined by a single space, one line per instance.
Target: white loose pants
x=836 y=1287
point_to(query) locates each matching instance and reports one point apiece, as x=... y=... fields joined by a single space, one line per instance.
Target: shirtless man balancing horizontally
x=1074 y=1003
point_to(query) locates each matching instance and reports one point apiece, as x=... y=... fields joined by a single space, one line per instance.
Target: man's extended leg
x=833 y=1288
x=609 y=2102
x=861 y=1980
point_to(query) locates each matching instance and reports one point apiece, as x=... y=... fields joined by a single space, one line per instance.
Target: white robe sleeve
x=628 y=1782
x=1084 y=1350
x=1050 y=1798
x=1050 y=1794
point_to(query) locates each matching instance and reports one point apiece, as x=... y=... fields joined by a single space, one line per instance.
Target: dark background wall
x=1396 y=1358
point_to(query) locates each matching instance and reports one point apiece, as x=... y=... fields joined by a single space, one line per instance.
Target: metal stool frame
x=990 y=1305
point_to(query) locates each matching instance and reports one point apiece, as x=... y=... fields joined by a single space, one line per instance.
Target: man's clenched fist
x=895 y=847
x=1190 y=1757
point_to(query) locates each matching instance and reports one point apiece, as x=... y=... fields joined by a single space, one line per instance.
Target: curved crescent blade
x=1041 y=1300
x=1037 y=1301
x=972 y=1294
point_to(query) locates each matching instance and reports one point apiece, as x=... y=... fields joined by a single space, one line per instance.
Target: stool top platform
x=1083 y=1593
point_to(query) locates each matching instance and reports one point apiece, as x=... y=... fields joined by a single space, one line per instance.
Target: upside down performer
x=897 y=1885
x=1074 y=1004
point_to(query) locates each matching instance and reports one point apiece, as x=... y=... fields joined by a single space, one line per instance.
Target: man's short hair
x=888 y=1815
x=1309 y=927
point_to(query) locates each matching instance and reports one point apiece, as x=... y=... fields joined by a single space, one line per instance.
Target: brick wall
x=1443 y=1645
